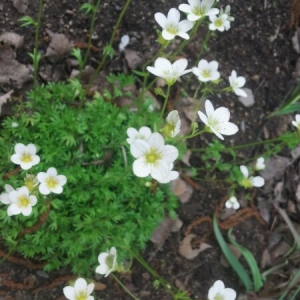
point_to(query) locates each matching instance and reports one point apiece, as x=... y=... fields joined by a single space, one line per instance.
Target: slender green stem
x=36 y=42
x=165 y=102
x=192 y=34
x=95 y=10
x=165 y=284
x=124 y=287
x=278 y=139
x=197 y=90
x=104 y=57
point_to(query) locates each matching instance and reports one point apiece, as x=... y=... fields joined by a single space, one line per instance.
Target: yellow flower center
x=218 y=23
x=81 y=295
x=206 y=73
x=172 y=28
x=246 y=183
x=110 y=261
x=26 y=157
x=51 y=182
x=199 y=11
x=218 y=297
x=23 y=201
x=153 y=156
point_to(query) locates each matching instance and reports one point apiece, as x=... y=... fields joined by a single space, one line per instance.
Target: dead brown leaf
x=162 y=232
x=186 y=250
x=13 y=39
x=133 y=58
x=182 y=190
x=4 y=98
x=59 y=46
x=21 y=5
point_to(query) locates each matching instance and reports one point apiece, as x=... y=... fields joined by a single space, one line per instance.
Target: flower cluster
x=21 y=200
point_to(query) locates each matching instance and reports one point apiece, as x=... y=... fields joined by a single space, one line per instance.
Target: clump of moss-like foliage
x=103 y=204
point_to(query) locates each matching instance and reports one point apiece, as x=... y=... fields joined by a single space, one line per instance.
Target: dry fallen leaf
x=4 y=98
x=185 y=248
x=162 y=232
x=275 y=166
x=265 y=259
x=59 y=46
x=14 y=73
x=133 y=58
x=13 y=39
x=21 y=5
x=182 y=190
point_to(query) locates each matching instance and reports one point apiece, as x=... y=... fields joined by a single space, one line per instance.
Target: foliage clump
x=103 y=202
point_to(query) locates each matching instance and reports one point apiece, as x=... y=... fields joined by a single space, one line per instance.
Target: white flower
x=197 y=9
x=219 y=22
x=4 y=197
x=107 y=261
x=80 y=291
x=153 y=157
x=232 y=202
x=14 y=125
x=25 y=156
x=256 y=181
x=236 y=83
x=21 y=202
x=219 y=292
x=143 y=133
x=173 y=122
x=296 y=122
x=217 y=121
x=125 y=39
x=51 y=182
x=172 y=26
x=260 y=164
x=170 y=72
x=228 y=16
x=207 y=71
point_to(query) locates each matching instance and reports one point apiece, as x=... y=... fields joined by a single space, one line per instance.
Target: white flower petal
x=80 y=284
x=138 y=148
x=160 y=19
x=228 y=128
x=257 y=181
x=209 y=109
x=69 y=292
x=244 y=171
x=141 y=168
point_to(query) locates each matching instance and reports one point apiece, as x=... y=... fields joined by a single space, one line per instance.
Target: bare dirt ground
x=258 y=46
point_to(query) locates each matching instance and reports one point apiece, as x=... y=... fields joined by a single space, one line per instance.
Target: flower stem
x=165 y=102
x=185 y=42
x=112 y=38
x=95 y=10
x=36 y=42
x=124 y=287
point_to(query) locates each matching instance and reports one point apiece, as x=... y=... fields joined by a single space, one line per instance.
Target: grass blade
x=238 y=268
x=257 y=278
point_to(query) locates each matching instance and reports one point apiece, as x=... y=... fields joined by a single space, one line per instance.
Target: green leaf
x=292 y=105
x=238 y=268
x=257 y=278
x=27 y=21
